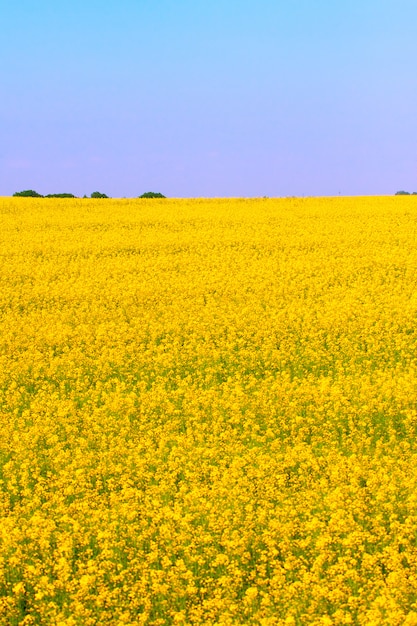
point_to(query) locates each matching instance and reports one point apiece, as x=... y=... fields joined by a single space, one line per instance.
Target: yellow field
x=208 y=411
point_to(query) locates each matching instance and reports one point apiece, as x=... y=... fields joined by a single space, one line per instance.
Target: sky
x=208 y=98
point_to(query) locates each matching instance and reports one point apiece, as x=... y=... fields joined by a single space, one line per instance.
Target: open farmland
x=208 y=412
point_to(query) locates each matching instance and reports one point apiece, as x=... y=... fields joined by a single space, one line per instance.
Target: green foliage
x=402 y=193
x=152 y=194
x=60 y=195
x=28 y=193
x=97 y=194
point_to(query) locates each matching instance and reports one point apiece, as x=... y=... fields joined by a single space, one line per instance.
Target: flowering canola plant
x=208 y=411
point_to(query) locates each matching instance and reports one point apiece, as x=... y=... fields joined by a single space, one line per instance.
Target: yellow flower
x=208 y=411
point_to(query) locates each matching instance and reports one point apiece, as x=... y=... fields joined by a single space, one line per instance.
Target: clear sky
x=208 y=97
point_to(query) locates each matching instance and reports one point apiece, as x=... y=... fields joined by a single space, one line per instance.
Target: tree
x=28 y=193
x=151 y=194
x=402 y=193
x=97 y=194
x=60 y=195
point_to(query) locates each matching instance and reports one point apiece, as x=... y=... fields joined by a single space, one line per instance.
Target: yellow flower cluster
x=208 y=412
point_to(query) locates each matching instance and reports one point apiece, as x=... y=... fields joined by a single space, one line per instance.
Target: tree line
x=30 y=193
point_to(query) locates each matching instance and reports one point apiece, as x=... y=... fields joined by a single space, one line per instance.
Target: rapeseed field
x=208 y=412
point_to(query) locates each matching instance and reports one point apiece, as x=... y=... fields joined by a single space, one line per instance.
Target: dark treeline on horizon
x=30 y=193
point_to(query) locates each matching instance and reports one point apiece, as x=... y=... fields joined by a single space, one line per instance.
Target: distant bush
x=402 y=193
x=28 y=193
x=151 y=194
x=60 y=195
x=97 y=194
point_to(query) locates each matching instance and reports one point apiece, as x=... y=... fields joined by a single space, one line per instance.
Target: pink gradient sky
x=236 y=98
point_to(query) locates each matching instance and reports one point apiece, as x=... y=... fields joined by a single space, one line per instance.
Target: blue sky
x=209 y=98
